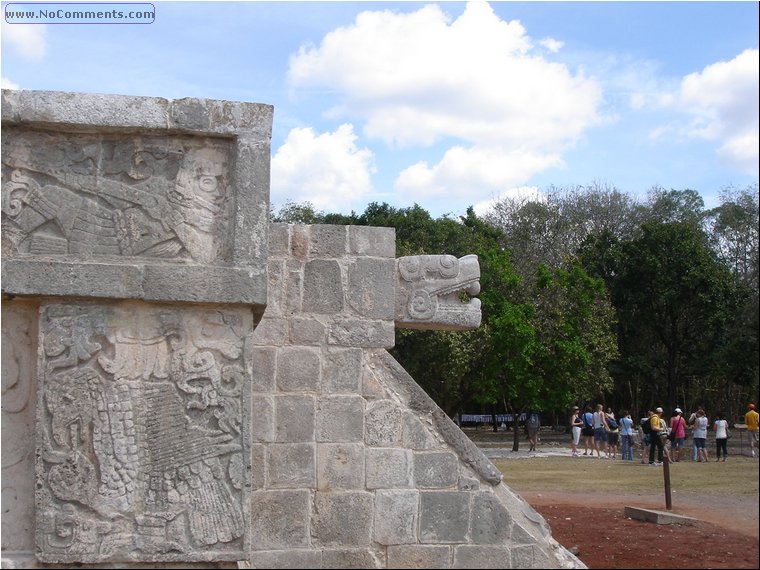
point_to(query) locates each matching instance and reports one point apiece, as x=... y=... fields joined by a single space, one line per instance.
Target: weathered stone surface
x=444 y=516
x=361 y=333
x=388 y=468
x=340 y=466
x=396 y=516
x=375 y=242
x=133 y=203
x=419 y=556
x=280 y=519
x=428 y=290
x=491 y=522
x=297 y=370
x=294 y=418
x=383 y=424
x=350 y=558
x=371 y=287
x=322 y=287
x=142 y=415
x=292 y=466
x=286 y=559
x=342 y=519
x=341 y=370
x=474 y=556
x=435 y=470
x=19 y=390
x=340 y=419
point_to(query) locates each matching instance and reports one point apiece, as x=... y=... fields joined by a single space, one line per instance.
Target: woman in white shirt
x=701 y=423
x=721 y=437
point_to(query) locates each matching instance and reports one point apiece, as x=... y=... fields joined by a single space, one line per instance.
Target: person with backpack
x=533 y=425
x=587 y=431
x=600 y=431
x=613 y=432
x=655 y=439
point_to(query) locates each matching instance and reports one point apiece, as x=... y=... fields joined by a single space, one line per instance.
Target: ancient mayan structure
x=187 y=385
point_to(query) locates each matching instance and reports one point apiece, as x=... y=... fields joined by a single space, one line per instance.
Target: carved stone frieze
x=142 y=450
x=89 y=195
x=435 y=292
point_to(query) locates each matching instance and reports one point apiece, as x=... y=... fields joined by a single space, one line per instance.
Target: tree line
x=588 y=296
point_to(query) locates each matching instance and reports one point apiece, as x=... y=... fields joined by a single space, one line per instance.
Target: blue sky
x=447 y=104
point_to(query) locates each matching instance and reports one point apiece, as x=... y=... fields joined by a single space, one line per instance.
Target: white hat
x=658 y=410
x=679 y=411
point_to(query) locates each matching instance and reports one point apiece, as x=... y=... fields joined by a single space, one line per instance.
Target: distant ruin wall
x=205 y=389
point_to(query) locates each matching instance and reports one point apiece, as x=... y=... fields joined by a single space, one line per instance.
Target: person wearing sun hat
x=751 y=419
x=678 y=429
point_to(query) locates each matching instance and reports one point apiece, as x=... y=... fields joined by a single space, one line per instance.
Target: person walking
x=533 y=425
x=678 y=431
x=576 y=423
x=626 y=436
x=720 y=426
x=655 y=428
x=751 y=419
x=701 y=424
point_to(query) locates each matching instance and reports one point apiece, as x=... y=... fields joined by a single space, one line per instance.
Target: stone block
x=419 y=556
x=279 y=241
x=322 y=287
x=435 y=470
x=350 y=558
x=416 y=435
x=396 y=514
x=362 y=333
x=491 y=521
x=372 y=241
x=286 y=559
x=341 y=370
x=328 y=241
x=308 y=332
x=264 y=365
x=475 y=556
x=444 y=516
x=340 y=419
x=291 y=465
x=258 y=466
x=280 y=519
x=388 y=468
x=342 y=519
x=262 y=420
x=297 y=370
x=294 y=418
x=372 y=287
x=340 y=466
x=271 y=332
x=383 y=425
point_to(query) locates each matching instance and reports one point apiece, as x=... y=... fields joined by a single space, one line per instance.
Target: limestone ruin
x=187 y=385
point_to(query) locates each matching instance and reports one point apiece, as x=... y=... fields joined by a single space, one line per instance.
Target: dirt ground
x=597 y=531
x=589 y=518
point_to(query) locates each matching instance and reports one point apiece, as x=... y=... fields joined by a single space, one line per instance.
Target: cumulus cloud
x=325 y=169
x=722 y=104
x=27 y=40
x=475 y=83
x=525 y=192
x=6 y=83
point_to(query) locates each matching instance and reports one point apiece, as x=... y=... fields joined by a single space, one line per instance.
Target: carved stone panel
x=142 y=433
x=94 y=195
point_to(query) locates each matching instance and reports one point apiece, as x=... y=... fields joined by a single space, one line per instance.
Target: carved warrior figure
x=164 y=203
x=142 y=446
x=433 y=292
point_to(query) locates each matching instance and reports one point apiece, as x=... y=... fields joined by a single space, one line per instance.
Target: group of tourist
x=604 y=432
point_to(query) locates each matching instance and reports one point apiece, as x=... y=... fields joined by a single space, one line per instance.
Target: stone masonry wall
x=354 y=466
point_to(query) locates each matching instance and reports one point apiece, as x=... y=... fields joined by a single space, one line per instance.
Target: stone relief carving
x=434 y=292
x=95 y=195
x=141 y=424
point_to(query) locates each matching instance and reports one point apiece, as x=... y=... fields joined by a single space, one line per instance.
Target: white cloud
x=327 y=170
x=552 y=45
x=473 y=82
x=722 y=103
x=6 y=83
x=527 y=192
x=27 y=40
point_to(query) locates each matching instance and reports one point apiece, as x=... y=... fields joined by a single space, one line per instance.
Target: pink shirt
x=678 y=424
